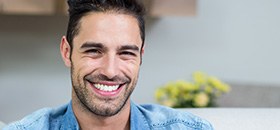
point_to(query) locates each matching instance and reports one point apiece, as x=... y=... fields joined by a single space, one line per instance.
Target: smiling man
x=103 y=48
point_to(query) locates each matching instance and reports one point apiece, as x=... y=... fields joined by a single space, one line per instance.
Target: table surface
x=240 y=118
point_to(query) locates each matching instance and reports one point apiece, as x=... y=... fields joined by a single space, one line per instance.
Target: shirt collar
x=70 y=121
x=137 y=118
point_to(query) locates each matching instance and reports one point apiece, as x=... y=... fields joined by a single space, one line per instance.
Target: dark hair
x=79 y=8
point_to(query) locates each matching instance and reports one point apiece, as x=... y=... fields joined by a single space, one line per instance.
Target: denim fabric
x=61 y=118
x=143 y=117
x=156 y=117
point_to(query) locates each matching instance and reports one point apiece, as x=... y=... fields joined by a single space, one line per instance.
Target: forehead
x=109 y=28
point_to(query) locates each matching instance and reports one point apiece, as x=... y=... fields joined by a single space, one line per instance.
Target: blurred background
x=237 y=41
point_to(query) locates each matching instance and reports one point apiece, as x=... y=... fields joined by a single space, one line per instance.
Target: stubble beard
x=104 y=107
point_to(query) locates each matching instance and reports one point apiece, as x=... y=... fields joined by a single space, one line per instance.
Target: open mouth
x=107 y=88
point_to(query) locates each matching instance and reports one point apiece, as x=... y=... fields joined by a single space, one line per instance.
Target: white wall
x=236 y=41
x=32 y=74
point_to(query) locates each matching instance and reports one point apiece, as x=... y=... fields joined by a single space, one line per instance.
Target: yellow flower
x=200 y=92
x=187 y=96
x=208 y=89
x=216 y=83
x=169 y=102
x=201 y=99
x=226 y=88
x=199 y=77
x=185 y=86
x=160 y=93
x=169 y=86
x=171 y=89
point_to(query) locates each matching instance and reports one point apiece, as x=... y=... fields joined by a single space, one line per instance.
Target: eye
x=93 y=51
x=128 y=53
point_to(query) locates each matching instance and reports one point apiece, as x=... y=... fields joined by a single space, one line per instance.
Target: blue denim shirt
x=142 y=117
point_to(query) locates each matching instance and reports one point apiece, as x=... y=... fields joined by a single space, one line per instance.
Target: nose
x=110 y=66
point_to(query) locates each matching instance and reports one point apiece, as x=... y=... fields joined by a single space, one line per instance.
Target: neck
x=88 y=120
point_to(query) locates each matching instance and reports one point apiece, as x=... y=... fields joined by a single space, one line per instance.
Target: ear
x=142 y=53
x=65 y=51
x=143 y=50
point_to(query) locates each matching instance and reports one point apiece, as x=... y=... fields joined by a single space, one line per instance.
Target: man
x=103 y=48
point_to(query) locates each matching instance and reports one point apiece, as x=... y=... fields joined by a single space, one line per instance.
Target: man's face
x=105 y=61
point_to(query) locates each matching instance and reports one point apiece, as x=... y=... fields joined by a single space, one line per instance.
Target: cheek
x=131 y=69
x=89 y=65
x=85 y=66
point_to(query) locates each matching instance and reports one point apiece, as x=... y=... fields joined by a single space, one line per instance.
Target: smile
x=106 y=88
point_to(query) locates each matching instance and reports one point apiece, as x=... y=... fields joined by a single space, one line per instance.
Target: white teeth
x=106 y=88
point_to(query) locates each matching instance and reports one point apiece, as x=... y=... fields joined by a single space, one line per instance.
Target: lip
x=111 y=94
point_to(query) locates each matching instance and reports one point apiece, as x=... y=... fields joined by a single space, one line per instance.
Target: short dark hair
x=79 y=8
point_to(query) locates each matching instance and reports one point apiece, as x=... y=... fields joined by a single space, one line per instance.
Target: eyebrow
x=91 y=45
x=100 y=45
x=130 y=47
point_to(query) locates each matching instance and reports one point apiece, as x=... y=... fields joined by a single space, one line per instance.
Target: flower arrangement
x=201 y=92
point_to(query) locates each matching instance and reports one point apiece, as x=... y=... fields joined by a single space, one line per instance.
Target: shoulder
x=40 y=119
x=29 y=121
x=164 y=117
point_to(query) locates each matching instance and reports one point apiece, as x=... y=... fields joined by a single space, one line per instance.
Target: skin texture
x=107 y=51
